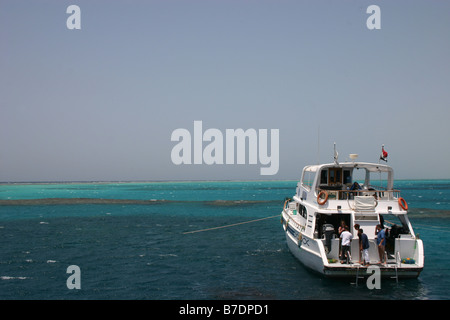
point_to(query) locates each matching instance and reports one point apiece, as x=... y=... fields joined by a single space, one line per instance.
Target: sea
x=187 y=240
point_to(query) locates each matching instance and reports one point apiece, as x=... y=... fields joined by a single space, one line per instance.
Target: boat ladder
x=396 y=275
x=349 y=260
x=397 y=263
x=358 y=276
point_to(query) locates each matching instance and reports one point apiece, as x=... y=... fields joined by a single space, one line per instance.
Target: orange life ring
x=322 y=202
x=402 y=203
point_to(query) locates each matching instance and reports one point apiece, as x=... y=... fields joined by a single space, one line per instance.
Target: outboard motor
x=328 y=231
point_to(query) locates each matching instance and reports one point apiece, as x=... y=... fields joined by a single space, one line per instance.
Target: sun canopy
x=371 y=167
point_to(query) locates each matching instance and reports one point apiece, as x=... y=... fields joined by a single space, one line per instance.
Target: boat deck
x=389 y=270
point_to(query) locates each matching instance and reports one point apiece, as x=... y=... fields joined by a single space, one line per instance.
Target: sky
x=100 y=103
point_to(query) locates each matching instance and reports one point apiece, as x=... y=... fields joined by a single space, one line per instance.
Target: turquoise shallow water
x=131 y=244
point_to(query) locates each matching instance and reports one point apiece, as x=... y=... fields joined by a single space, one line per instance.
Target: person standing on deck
x=356 y=226
x=346 y=238
x=381 y=241
x=363 y=247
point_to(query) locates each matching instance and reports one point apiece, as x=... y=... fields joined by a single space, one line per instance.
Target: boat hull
x=304 y=255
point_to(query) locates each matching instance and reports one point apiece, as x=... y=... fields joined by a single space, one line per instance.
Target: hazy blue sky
x=101 y=103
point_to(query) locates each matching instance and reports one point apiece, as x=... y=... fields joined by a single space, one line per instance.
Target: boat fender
x=322 y=201
x=402 y=203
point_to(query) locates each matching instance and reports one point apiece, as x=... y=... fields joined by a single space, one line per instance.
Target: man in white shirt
x=346 y=239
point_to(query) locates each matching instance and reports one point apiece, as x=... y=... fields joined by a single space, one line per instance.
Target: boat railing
x=398 y=259
x=378 y=193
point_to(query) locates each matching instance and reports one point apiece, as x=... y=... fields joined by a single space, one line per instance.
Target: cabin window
x=307 y=180
x=324 y=177
x=302 y=210
x=359 y=175
x=347 y=177
x=335 y=176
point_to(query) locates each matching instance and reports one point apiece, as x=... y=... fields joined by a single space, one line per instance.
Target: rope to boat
x=435 y=228
x=421 y=226
x=231 y=225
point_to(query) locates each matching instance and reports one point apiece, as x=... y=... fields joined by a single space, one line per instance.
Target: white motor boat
x=351 y=193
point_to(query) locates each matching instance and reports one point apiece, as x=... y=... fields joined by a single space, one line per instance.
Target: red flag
x=384 y=154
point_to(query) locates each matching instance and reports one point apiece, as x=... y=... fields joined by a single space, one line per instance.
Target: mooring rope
x=434 y=228
x=231 y=225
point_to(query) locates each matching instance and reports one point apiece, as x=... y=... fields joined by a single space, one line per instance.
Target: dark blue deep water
x=129 y=241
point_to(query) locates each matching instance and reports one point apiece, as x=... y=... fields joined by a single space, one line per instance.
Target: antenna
x=336 y=155
x=318 y=144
